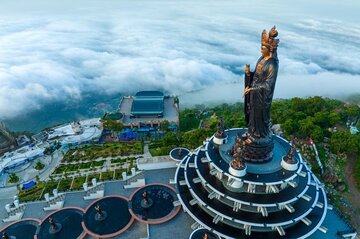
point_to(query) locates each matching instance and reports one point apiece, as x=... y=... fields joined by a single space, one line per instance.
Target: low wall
x=156 y=163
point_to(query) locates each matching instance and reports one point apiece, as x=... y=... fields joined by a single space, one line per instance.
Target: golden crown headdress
x=269 y=40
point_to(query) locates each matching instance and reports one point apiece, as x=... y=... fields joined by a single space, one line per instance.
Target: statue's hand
x=247 y=69
x=246 y=91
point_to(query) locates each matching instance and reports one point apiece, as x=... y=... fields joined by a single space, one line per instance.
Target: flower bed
x=31 y=194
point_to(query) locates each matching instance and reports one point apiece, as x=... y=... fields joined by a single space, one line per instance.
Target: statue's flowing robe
x=248 y=83
x=258 y=101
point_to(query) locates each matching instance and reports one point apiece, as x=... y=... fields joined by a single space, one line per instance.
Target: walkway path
x=317 y=157
x=147 y=153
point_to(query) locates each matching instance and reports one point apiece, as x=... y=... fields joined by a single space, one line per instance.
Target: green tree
x=306 y=126
x=334 y=118
x=344 y=141
x=317 y=134
x=39 y=165
x=352 y=110
x=164 y=125
x=169 y=139
x=113 y=125
x=314 y=104
x=13 y=178
x=322 y=119
x=188 y=120
x=195 y=138
x=289 y=127
x=298 y=104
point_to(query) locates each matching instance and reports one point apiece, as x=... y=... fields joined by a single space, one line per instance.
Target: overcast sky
x=53 y=51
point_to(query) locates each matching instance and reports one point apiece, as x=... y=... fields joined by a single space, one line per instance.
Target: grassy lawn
x=50 y=186
x=117 y=160
x=64 y=185
x=98 y=163
x=106 y=176
x=72 y=167
x=160 y=151
x=123 y=160
x=118 y=173
x=91 y=176
x=78 y=183
x=75 y=167
x=60 y=169
x=85 y=165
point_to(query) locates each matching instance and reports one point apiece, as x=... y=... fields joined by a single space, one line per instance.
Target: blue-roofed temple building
x=148 y=109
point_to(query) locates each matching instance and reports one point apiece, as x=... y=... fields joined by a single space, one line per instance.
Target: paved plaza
x=137 y=230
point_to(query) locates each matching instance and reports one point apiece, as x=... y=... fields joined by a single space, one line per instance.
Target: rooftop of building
x=149 y=93
x=170 y=112
x=147 y=103
x=147 y=106
x=19 y=155
x=77 y=132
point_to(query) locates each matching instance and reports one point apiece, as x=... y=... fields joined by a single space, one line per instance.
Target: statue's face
x=265 y=51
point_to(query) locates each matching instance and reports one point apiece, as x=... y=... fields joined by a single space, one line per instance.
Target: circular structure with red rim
x=178 y=154
x=107 y=217
x=63 y=223
x=203 y=233
x=24 y=229
x=154 y=203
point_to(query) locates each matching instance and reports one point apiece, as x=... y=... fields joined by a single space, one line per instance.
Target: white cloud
x=57 y=51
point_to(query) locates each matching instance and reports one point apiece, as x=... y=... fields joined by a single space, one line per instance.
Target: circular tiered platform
x=268 y=201
x=115 y=217
x=24 y=229
x=68 y=221
x=159 y=206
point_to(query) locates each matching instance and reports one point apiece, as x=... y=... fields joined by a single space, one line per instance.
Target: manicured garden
x=62 y=168
x=78 y=183
x=90 y=152
x=31 y=194
x=67 y=184
x=50 y=186
x=122 y=160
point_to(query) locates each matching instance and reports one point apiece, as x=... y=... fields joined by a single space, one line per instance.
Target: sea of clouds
x=57 y=51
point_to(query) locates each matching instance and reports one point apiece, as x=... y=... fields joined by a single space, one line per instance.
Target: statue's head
x=268 y=42
x=265 y=50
